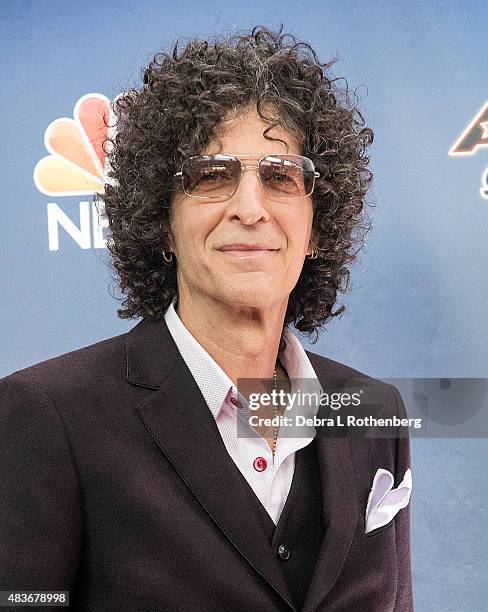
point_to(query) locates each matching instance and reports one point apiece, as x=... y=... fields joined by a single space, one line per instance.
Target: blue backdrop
x=419 y=294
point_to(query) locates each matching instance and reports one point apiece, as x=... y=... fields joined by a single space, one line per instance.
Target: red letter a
x=474 y=136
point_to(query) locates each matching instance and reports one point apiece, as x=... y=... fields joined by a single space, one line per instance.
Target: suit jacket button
x=283 y=552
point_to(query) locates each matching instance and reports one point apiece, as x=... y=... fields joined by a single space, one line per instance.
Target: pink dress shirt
x=271 y=484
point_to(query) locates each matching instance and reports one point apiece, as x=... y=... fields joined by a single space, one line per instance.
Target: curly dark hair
x=184 y=97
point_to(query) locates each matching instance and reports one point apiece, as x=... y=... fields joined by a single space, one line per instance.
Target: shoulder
x=91 y=364
x=328 y=369
x=380 y=399
x=333 y=369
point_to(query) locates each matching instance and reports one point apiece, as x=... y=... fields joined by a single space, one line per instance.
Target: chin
x=252 y=295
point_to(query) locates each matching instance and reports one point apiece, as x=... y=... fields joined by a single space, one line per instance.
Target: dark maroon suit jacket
x=115 y=485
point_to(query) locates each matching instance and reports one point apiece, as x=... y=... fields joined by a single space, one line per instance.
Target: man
x=235 y=199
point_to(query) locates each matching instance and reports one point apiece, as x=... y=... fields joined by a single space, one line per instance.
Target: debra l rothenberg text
x=336 y=421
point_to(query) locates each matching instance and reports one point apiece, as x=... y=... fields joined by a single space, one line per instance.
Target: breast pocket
x=380 y=529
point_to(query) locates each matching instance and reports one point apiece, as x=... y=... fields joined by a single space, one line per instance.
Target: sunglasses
x=218 y=176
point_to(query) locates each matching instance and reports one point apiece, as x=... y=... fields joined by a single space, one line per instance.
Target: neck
x=243 y=340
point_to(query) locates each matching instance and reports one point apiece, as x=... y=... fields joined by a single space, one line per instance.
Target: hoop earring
x=168 y=257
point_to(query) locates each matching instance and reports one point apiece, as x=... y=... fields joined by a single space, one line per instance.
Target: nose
x=248 y=204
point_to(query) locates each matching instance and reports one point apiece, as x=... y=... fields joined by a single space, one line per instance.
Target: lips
x=250 y=252
x=246 y=247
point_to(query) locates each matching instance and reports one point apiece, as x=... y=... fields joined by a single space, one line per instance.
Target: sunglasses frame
x=243 y=167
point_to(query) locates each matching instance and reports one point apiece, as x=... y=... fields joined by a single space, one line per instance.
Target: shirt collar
x=209 y=376
x=213 y=382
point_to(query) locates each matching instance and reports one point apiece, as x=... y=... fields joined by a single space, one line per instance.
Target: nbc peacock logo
x=76 y=166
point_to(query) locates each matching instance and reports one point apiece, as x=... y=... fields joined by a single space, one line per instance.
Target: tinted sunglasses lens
x=287 y=176
x=211 y=176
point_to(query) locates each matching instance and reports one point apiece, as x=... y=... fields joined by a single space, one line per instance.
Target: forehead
x=242 y=131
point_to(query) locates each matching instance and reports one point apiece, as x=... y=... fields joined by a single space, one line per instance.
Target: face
x=248 y=250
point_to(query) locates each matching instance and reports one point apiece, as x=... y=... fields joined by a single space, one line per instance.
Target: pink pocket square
x=384 y=501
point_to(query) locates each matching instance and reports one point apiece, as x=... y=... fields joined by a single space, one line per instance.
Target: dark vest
x=297 y=537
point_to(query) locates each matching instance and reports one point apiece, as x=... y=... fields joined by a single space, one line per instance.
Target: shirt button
x=283 y=552
x=234 y=400
x=260 y=464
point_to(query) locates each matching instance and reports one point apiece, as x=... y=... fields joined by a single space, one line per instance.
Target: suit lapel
x=340 y=516
x=183 y=427
x=343 y=462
